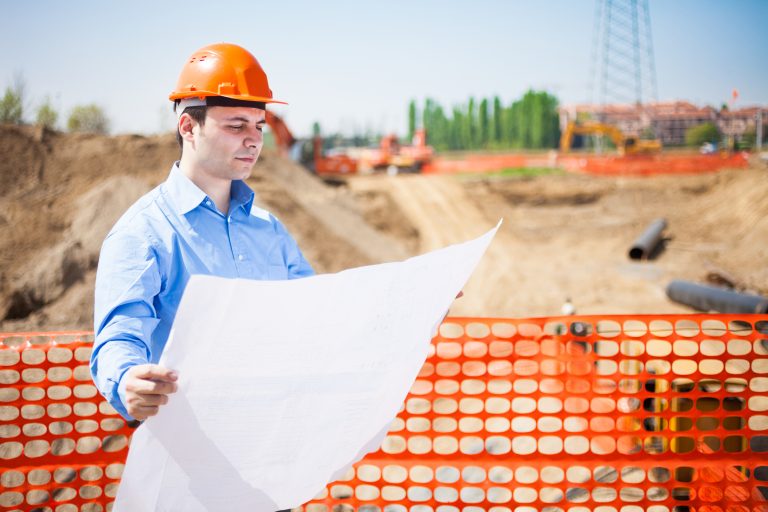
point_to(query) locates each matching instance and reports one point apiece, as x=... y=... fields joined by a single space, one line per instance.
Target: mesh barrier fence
x=604 y=414
x=63 y=446
x=608 y=165
x=654 y=165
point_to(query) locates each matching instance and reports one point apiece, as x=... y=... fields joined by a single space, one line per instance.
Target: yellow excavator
x=626 y=145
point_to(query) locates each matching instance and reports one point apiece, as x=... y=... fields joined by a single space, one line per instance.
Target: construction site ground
x=564 y=237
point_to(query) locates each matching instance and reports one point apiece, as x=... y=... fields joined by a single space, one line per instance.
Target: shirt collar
x=242 y=196
x=187 y=196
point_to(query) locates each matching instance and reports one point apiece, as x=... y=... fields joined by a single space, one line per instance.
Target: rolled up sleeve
x=127 y=282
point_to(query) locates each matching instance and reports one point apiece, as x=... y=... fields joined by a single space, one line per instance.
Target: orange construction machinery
x=625 y=144
x=390 y=155
x=393 y=156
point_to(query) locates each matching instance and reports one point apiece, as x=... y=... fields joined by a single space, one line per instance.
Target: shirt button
x=240 y=257
x=229 y=219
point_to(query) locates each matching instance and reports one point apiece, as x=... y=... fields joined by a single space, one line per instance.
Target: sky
x=353 y=66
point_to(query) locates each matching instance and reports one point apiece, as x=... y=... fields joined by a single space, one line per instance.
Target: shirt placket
x=239 y=254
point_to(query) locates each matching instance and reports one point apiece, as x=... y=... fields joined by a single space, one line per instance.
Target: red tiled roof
x=668 y=110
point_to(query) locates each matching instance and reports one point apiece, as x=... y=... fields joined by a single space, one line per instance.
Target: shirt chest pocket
x=277 y=272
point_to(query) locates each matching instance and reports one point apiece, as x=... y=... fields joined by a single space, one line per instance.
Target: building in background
x=669 y=121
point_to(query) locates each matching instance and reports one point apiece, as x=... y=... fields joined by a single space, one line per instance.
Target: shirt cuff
x=119 y=404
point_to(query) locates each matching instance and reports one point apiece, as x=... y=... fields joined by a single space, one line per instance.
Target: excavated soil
x=63 y=192
x=564 y=236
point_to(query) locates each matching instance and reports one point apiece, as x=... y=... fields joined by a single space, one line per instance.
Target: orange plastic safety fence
x=63 y=446
x=579 y=414
x=486 y=163
x=608 y=165
x=645 y=165
x=608 y=414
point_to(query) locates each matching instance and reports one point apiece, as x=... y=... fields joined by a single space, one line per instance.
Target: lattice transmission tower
x=623 y=67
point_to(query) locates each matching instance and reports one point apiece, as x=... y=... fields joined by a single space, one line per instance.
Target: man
x=201 y=220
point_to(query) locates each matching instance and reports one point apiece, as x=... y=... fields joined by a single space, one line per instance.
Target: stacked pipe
x=710 y=298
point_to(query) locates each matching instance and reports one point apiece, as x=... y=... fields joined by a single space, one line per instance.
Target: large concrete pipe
x=709 y=298
x=643 y=247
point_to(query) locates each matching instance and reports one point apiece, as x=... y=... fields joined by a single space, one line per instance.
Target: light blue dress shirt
x=173 y=232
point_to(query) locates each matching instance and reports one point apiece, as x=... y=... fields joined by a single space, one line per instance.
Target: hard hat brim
x=199 y=94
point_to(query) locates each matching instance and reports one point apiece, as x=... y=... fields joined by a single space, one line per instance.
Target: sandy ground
x=568 y=236
x=563 y=237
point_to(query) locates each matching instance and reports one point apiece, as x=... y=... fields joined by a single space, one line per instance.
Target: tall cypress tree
x=411 y=119
x=471 y=125
x=484 y=124
x=427 y=121
x=497 y=122
x=537 y=119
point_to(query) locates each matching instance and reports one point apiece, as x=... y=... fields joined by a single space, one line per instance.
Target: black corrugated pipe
x=709 y=298
x=646 y=244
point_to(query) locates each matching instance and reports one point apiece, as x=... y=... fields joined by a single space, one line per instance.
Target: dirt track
x=442 y=212
x=567 y=237
x=563 y=236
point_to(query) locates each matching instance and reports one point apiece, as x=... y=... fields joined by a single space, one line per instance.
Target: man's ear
x=186 y=126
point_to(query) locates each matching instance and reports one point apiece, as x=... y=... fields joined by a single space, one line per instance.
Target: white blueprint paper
x=283 y=385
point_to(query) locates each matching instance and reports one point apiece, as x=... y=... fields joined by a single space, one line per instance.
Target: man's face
x=229 y=143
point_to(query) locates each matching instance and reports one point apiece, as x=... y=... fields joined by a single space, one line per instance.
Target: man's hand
x=147 y=387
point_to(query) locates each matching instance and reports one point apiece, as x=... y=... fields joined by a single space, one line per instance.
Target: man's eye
x=236 y=127
x=260 y=127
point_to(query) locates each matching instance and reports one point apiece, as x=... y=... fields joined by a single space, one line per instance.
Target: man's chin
x=244 y=169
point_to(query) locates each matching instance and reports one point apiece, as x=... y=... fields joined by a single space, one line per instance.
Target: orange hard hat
x=225 y=70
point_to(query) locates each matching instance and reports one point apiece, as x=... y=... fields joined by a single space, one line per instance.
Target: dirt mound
x=51 y=272
x=63 y=192
x=288 y=189
x=564 y=236
x=734 y=215
x=23 y=160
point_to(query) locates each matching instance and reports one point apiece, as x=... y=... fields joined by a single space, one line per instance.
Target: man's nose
x=253 y=140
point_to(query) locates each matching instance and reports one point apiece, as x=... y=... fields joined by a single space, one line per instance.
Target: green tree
x=12 y=102
x=462 y=132
x=88 y=118
x=698 y=135
x=749 y=138
x=552 y=122
x=509 y=136
x=530 y=122
x=484 y=123
x=316 y=129
x=496 y=124
x=411 y=119
x=536 y=123
x=520 y=123
x=47 y=115
x=470 y=128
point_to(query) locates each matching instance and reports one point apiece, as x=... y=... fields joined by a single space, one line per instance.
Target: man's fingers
x=142 y=412
x=155 y=372
x=154 y=400
x=147 y=387
x=150 y=387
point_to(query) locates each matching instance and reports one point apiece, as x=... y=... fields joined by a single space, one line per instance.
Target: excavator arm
x=625 y=145
x=283 y=136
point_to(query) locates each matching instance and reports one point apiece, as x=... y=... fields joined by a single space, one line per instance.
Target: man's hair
x=199 y=113
x=196 y=113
